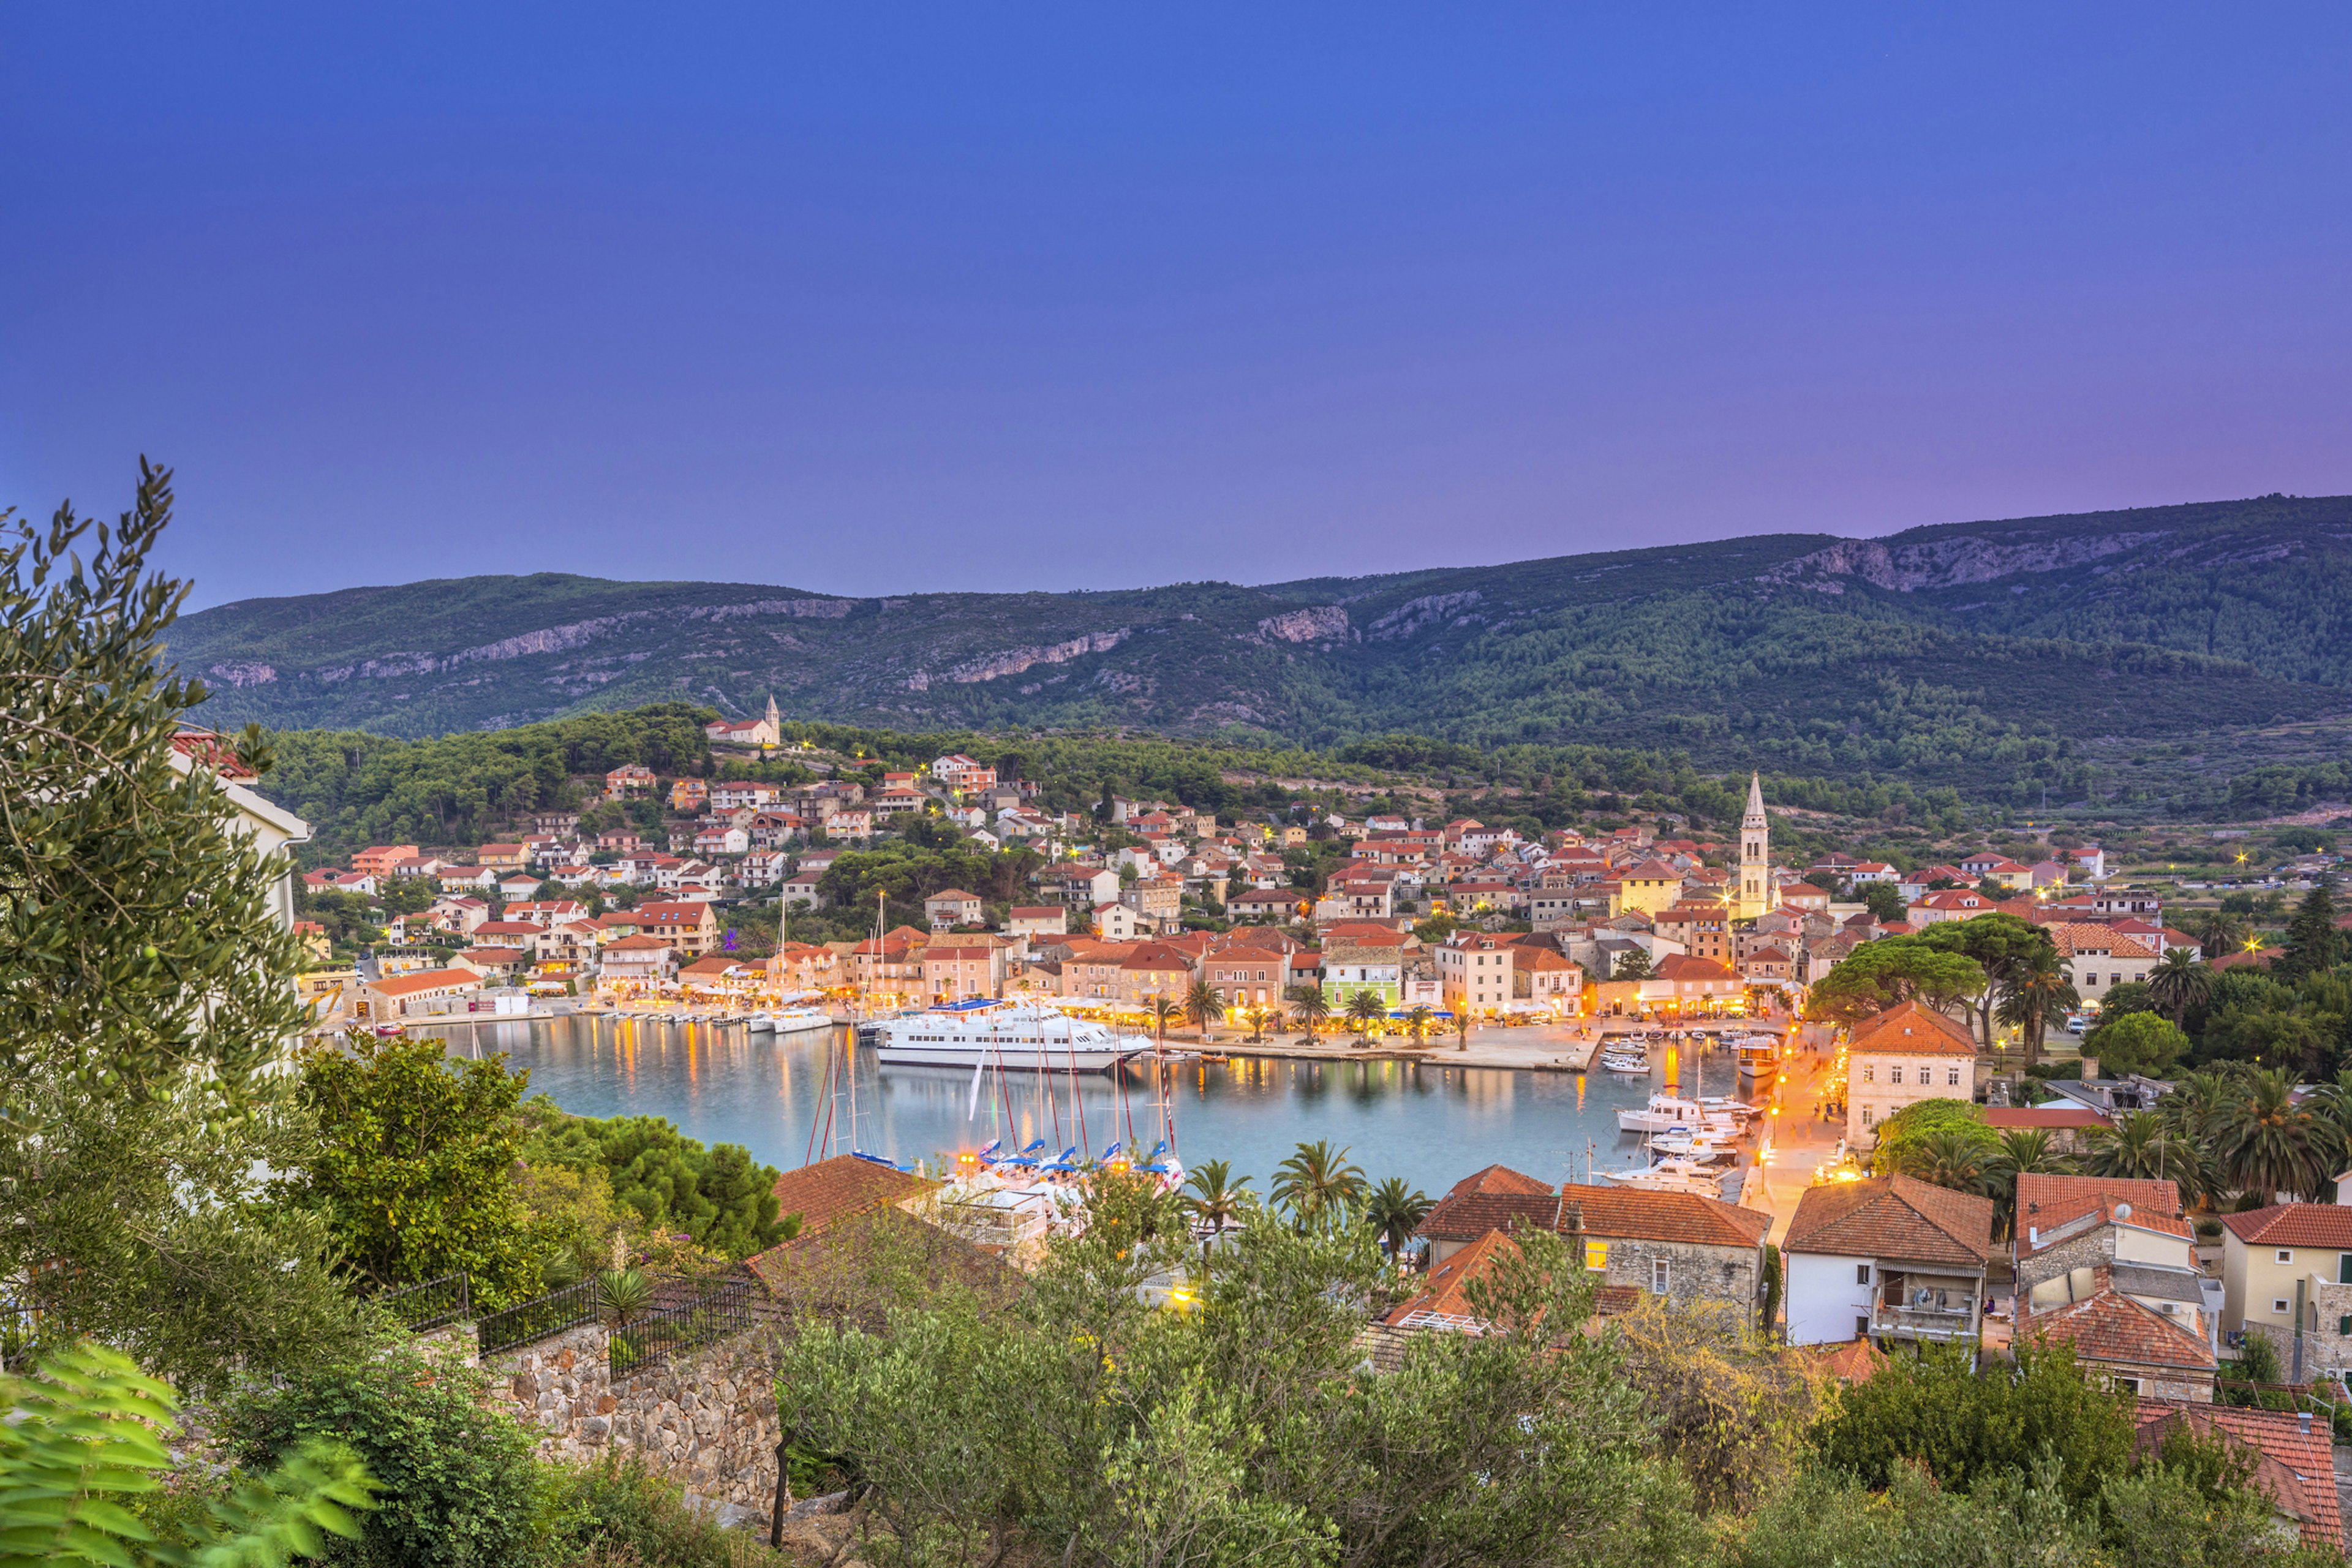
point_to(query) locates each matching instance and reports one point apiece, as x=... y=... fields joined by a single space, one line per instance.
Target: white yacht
x=1669 y=1177
x=1666 y=1110
x=1016 y=1036
x=792 y=1020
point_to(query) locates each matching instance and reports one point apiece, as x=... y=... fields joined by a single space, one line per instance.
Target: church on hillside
x=768 y=730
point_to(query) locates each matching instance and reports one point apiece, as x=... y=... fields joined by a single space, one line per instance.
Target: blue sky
x=871 y=298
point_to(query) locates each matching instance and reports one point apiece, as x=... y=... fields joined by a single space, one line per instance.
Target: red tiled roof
x=2047 y=1200
x=1688 y=1217
x=2296 y=1464
x=426 y=980
x=1444 y=1290
x=1895 y=1217
x=1909 y=1028
x=1496 y=1198
x=2108 y=1326
x=2293 y=1225
x=844 y=1186
x=1681 y=966
x=1852 y=1360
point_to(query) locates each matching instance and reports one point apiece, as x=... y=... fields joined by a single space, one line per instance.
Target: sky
x=864 y=299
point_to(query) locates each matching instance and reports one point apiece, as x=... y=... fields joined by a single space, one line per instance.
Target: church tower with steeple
x=1757 y=892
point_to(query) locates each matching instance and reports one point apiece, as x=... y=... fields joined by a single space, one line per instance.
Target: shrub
x=620 y=1512
x=459 y=1485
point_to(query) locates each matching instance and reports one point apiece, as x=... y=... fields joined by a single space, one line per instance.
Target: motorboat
x=1666 y=1110
x=1632 y=1064
x=1014 y=1037
x=1668 y=1176
x=791 y=1020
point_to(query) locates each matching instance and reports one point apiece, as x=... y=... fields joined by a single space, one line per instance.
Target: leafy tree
x=457 y=1478
x=146 y=987
x=2313 y=942
x=1396 y=1211
x=1633 y=965
x=2131 y=996
x=86 y=1434
x=1731 y=1408
x=1926 y=1119
x=2136 y=1042
x=720 y=1198
x=1884 y=974
x=413 y=1170
x=2003 y=948
x=2220 y=933
x=1884 y=902
x=1966 y=1426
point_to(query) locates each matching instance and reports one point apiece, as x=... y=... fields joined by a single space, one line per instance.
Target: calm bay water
x=1424 y=1121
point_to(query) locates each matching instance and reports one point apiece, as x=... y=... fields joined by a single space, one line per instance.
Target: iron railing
x=537 y=1319
x=695 y=1313
x=434 y=1303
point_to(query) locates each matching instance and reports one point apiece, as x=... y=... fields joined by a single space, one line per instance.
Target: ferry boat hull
x=1012 y=1038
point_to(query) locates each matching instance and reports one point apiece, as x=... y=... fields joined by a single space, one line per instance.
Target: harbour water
x=1423 y=1120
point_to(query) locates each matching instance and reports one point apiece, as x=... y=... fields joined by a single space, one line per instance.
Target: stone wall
x=706 y=1421
x=1693 y=1272
x=2094 y=1248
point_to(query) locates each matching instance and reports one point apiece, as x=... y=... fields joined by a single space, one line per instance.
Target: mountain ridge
x=1950 y=651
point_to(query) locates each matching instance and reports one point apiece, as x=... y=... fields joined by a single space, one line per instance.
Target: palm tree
x=1951 y=1159
x=1365 y=1009
x=1215 y=1203
x=1205 y=1004
x=2143 y=1146
x=2025 y=1151
x=2038 y=995
x=1314 y=1179
x=1462 y=1028
x=1417 y=1020
x=2268 y=1143
x=1163 y=1012
x=1308 y=1008
x=2180 y=982
x=1396 y=1213
x=2219 y=932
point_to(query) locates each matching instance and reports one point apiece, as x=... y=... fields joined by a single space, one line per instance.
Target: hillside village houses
x=1715 y=928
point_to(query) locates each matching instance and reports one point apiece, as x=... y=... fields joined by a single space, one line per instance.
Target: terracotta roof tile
x=1909 y=1028
x=2294 y=1224
x=2109 y=1326
x=1689 y=1218
x=842 y=1186
x=2296 y=1464
x=1893 y=1217
x=1495 y=1198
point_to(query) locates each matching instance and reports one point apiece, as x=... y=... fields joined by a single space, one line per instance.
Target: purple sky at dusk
x=862 y=299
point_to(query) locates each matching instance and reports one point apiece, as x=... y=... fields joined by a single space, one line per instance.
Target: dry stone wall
x=706 y=1421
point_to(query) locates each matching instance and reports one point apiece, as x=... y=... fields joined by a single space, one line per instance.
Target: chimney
x=1571 y=1230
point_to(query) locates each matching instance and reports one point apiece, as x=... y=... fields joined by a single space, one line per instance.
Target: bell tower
x=1756 y=894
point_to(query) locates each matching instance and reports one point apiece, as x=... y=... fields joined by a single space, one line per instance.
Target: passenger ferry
x=1014 y=1037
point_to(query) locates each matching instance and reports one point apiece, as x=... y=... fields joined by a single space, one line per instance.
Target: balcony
x=1935 y=1323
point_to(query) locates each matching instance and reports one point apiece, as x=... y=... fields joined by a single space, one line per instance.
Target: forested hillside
x=2155 y=653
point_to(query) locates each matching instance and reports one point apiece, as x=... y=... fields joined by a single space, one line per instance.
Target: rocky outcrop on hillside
x=1945 y=563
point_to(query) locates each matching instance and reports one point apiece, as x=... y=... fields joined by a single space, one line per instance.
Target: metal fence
x=434 y=1304
x=693 y=1313
x=536 y=1320
x=20 y=1336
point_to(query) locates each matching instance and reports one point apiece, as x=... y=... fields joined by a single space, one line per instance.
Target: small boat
x=1666 y=1110
x=791 y=1021
x=389 y=1031
x=1668 y=1176
x=1633 y=1064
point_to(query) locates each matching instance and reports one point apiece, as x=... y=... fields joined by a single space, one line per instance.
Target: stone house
x=1493 y=1198
x=2118 y=1337
x=953 y=907
x=1680 y=1245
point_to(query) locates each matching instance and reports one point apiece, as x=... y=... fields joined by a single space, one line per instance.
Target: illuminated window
x=1596 y=1255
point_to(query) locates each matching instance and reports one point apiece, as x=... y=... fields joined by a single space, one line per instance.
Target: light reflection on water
x=1424 y=1121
